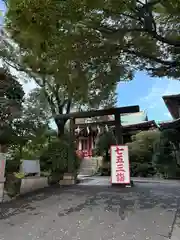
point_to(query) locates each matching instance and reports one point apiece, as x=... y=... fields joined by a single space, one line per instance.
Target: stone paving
x=99 y=211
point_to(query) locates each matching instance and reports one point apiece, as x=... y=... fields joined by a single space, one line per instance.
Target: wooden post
x=72 y=126
x=71 y=146
x=118 y=128
x=69 y=177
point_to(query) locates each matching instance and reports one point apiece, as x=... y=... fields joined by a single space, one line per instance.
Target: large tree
x=36 y=108
x=71 y=63
x=31 y=130
x=143 y=34
x=11 y=97
x=146 y=31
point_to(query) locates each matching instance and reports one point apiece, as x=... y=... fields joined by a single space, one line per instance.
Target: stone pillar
x=80 y=144
x=1 y=190
x=2 y=174
x=71 y=144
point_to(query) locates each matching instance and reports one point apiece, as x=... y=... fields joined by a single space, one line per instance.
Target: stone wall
x=1 y=189
x=31 y=184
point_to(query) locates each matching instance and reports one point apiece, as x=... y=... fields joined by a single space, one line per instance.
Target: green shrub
x=165 y=157
x=45 y=174
x=59 y=156
x=104 y=142
x=177 y=172
x=141 y=153
x=12 y=162
x=19 y=175
x=12 y=185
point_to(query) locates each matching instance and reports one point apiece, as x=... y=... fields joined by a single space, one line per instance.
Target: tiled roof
x=133 y=118
x=141 y=124
x=170 y=124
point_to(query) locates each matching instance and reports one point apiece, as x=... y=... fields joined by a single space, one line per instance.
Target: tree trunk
x=61 y=127
x=20 y=151
x=3 y=148
x=107 y=156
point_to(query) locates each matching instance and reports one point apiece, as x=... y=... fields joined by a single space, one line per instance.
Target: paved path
x=100 y=212
x=105 y=180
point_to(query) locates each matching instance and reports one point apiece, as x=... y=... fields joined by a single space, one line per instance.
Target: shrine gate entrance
x=116 y=122
x=116 y=112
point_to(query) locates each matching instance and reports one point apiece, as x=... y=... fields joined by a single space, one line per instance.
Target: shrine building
x=87 y=130
x=173 y=104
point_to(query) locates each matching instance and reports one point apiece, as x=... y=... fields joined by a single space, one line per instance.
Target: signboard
x=120 y=171
x=2 y=165
x=88 y=120
x=30 y=166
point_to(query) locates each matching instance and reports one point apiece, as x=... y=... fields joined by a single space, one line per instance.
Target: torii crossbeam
x=97 y=113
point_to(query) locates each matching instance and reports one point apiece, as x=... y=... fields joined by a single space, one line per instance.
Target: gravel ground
x=86 y=211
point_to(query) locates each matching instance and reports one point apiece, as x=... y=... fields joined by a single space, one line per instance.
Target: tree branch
x=51 y=104
x=151 y=57
x=59 y=103
x=150 y=3
x=144 y=15
x=109 y=30
x=68 y=108
x=163 y=39
x=146 y=18
x=19 y=68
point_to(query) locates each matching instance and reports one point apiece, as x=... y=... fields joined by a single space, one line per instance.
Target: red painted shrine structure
x=87 y=133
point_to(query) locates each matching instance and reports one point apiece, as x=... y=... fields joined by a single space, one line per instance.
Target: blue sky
x=147 y=92
x=143 y=90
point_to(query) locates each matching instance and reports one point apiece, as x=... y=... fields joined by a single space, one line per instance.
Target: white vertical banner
x=2 y=165
x=120 y=169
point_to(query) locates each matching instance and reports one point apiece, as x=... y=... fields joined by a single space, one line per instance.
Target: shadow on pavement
x=123 y=201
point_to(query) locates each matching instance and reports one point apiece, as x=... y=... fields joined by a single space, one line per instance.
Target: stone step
x=88 y=166
x=81 y=168
x=84 y=169
x=87 y=173
x=88 y=162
